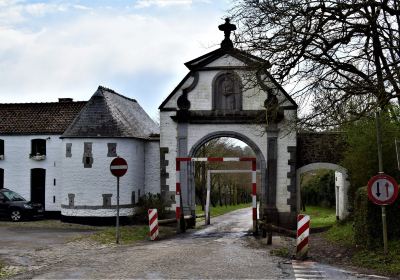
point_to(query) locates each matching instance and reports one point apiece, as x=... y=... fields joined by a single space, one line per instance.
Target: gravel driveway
x=222 y=250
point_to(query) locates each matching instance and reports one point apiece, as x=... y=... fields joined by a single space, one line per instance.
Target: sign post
x=397 y=145
x=118 y=168
x=383 y=190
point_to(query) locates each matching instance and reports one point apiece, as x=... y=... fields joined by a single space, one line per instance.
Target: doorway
x=38 y=183
x=1 y=178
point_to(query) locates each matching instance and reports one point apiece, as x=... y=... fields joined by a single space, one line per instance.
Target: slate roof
x=37 y=118
x=109 y=114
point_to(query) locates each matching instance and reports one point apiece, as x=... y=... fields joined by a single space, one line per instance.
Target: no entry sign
x=382 y=189
x=118 y=167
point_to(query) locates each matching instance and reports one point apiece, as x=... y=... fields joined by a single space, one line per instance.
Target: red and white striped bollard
x=303 y=231
x=153 y=223
x=254 y=194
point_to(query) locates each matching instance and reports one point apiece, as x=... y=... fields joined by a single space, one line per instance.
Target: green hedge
x=368 y=220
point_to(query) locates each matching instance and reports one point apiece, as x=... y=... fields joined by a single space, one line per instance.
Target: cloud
x=161 y=3
x=16 y=12
x=70 y=57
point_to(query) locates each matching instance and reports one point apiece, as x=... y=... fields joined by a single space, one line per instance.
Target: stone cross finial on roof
x=227 y=27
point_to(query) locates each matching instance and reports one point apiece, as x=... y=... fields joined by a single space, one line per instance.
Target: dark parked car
x=15 y=207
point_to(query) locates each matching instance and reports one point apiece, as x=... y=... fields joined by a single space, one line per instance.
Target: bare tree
x=340 y=57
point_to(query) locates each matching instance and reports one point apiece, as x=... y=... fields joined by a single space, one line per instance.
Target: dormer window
x=38 y=149
x=227 y=92
x=1 y=149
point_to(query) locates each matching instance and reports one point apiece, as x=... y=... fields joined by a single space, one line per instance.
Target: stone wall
x=313 y=147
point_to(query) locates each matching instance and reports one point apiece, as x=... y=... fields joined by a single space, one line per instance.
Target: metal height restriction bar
x=178 y=194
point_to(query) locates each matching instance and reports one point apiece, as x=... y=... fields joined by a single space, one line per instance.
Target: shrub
x=150 y=201
x=368 y=220
x=361 y=156
x=319 y=189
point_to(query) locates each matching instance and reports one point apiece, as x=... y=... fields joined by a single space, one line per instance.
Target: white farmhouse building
x=110 y=125
x=30 y=148
x=59 y=154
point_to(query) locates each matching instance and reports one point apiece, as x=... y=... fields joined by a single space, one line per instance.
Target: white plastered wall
x=17 y=167
x=88 y=184
x=341 y=194
x=152 y=167
x=253 y=99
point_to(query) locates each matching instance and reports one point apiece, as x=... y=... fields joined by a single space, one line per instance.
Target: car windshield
x=13 y=196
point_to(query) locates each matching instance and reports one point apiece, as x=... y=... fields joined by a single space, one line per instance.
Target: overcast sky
x=59 y=48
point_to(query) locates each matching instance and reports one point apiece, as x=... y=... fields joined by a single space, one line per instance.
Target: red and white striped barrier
x=178 y=198
x=303 y=231
x=153 y=223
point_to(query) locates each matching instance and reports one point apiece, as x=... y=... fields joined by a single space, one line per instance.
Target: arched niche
x=227 y=91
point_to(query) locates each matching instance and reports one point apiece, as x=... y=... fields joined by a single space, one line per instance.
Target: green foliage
x=376 y=259
x=342 y=233
x=128 y=234
x=2 y=272
x=281 y=252
x=150 y=201
x=368 y=221
x=320 y=216
x=373 y=258
x=319 y=189
x=361 y=156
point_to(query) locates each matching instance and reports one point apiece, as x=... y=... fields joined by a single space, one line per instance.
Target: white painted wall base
x=97 y=212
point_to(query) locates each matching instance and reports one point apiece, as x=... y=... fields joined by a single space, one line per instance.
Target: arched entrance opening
x=333 y=178
x=227 y=187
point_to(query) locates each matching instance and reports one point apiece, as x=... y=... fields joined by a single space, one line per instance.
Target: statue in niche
x=227 y=93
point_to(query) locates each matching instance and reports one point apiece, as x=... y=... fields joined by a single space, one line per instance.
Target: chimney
x=64 y=100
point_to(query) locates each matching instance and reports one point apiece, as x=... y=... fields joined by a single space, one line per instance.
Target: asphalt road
x=223 y=250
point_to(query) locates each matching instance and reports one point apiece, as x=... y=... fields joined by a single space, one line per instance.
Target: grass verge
x=129 y=234
x=343 y=234
x=2 y=272
x=54 y=224
x=220 y=210
x=377 y=260
x=320 y=216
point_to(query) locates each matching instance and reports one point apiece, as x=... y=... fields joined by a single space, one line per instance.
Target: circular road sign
x=118 y=167
x=382 y=189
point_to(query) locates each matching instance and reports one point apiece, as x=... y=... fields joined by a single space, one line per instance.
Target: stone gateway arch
x=212 y=101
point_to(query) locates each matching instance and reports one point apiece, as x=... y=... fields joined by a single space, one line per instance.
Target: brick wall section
x=315 y=147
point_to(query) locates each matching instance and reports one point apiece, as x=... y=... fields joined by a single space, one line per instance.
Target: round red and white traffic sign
x=118 y=167
x=382 y=189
